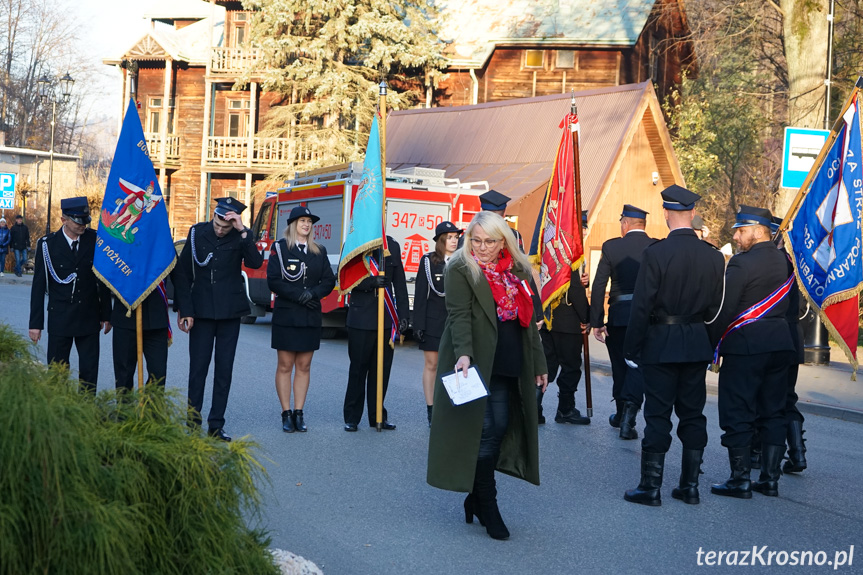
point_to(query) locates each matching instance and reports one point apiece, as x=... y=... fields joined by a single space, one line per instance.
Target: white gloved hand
x=631 y=364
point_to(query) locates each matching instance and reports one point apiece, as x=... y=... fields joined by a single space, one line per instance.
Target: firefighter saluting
x=211 y=296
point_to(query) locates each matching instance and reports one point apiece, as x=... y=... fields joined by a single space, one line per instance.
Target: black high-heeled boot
x=471 y=509
x=288 y=421
x=429 y=410
x=299 y=422
x=486 y=495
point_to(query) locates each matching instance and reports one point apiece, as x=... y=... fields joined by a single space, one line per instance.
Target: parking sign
x=802 y=146
x=7 y=191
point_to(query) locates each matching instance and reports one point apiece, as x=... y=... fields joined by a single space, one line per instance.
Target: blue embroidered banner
x=134 y=248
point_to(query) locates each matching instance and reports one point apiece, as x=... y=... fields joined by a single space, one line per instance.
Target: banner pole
x=139 y=336
x=804 y=188
x=576 y=173
x=379 y=400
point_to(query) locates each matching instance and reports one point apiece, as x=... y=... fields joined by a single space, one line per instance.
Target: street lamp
x=46 y=94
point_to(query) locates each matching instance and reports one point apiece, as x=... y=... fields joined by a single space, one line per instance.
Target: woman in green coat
x=490 y=326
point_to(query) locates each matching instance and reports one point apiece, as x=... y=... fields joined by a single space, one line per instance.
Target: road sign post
x=7 y=191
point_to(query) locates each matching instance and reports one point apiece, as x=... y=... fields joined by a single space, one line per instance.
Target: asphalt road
x=358 y=503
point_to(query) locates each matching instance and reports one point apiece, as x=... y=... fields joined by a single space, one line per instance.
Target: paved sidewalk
x=823 y=390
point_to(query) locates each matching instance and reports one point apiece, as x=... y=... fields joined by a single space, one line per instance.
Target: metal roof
x=512 y=144
x=566 y=22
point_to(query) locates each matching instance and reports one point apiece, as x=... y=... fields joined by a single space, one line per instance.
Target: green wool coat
x=471 y=329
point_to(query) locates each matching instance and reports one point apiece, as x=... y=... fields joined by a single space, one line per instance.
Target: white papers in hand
x=462 y=390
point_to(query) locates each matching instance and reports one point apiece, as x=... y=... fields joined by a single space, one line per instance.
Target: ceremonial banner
x=556 y=244
x=365 y=232
x=825 y=238
x=134 y=248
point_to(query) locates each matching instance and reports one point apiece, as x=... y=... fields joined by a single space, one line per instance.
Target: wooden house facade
x=625 y=153
x=528 y=48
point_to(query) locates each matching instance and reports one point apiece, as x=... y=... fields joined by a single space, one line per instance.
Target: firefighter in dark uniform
x=678 y=288
x=79 y=305
x=797 y=308
x=753 y=379
x=494 y=201
x=620 y=260
x=563 y=346
x=362 y=324
x=156 y=333
x=211 y=297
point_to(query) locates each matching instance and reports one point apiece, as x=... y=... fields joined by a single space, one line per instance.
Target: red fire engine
x=417 y=200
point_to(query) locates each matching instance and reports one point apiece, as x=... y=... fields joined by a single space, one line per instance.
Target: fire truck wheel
x=247 y=319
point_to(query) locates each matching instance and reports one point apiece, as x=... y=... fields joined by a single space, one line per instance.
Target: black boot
x=755 y=451
x=796 y=448
x=627 y=423
x=738 y=485
x=288 y=421
x=768 y=483
x=485 y=491
x=690 y=468
x=299 y=422
x=540 y=417
x=647 y=492
x=429 y=410
x=614 y=420
x=471 y=508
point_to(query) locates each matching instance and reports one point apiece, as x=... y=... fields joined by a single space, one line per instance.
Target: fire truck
x=417 y=200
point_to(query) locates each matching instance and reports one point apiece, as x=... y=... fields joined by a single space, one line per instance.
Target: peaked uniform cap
x=493 y=201
x=630 y=211
x=752 y=216
x=76 y=209
x=445 y=228
x=302 y=212
x=678 y=198
x=226 y=205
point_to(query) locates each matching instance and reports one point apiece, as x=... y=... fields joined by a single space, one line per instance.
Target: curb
x=822 y=409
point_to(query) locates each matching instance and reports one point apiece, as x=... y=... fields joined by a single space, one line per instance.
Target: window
x=534 y=58
x=240 y=16
x=238 y=118
x=239 y=36
x=565 y=59
x=154 y=118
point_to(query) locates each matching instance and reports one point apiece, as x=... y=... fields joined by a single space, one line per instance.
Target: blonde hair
x=497 y=229
x=292 y=237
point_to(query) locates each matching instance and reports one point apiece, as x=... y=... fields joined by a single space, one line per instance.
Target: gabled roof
x=538 y=22
x=512 y=144
x=188 y=44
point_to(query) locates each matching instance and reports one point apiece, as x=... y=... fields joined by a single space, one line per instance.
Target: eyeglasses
x=478 y=243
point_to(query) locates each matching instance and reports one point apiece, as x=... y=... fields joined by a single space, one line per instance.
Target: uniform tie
x=302 y=247
x=75 y=248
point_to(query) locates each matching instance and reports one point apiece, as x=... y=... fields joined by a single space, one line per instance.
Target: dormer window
x=565 y=59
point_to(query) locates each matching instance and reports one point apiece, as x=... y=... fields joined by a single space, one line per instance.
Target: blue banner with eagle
x=134 y=247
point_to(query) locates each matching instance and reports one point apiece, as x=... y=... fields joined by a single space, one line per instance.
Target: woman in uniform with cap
x=429 y=306
x=299 y=273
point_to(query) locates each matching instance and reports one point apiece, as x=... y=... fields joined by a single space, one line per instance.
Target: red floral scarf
x=510 y=297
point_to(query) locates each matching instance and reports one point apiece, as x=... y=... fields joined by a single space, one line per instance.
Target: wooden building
x=527 y=48
x=625 y=153
x=202 y=133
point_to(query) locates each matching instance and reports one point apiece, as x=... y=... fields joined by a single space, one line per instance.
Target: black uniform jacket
x=154 y=313
x=317 y=277
x=680 y=280
x=620 y=260
x=69 y=314
x=363 y=303
x=573 y=309
x=215 y=290
x=429 y=307
x=752 y=276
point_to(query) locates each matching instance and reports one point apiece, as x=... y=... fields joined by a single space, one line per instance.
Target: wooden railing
x=154 y=145
x=285 y=153
x=233 y=60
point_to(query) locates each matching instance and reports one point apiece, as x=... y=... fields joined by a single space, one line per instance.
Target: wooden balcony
x=233 y=60
x=286 y=154
x=172 y=147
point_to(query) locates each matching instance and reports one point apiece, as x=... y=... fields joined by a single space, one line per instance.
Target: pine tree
x=326 y=59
